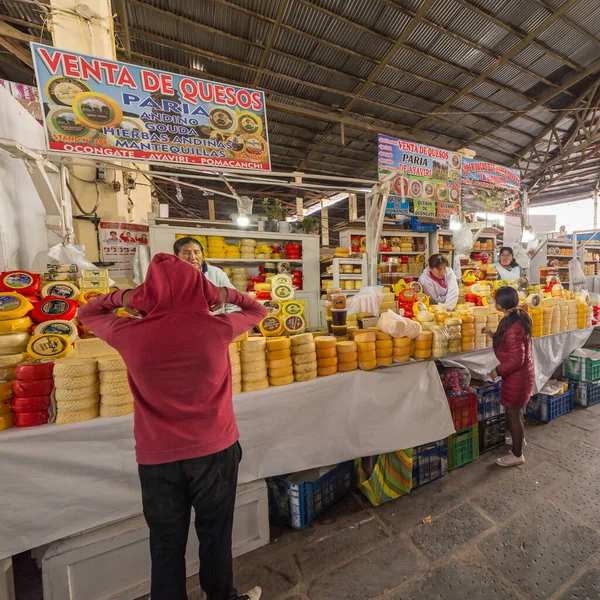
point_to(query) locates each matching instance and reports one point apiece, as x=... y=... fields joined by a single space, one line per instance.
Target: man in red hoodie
x=187 y=448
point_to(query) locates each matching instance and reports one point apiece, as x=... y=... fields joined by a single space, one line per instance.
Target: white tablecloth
x=58 y=480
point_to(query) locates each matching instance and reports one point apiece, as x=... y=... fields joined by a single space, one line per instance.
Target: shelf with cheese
x=346 y=274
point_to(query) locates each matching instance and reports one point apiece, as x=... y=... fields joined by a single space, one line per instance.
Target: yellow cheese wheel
x=325 y=371
x=422 y=345
x=278 y=354
x=301 y=339
x=308 y=376
x=468 y=338
x=422 y=353
x=16 y=325
x=345 y=367
x=234 y=348
x=384 y=344
x=278 y=343
x=468 y=327
x=279 y=363
x=235 y=360
x=467 y=319
x=118 y=410
x=325 y=341
x=326 y=352
x=348 y=357
x=251 y=357
x=253 y=344
x=308 y=348
x=384 y=361
x=236 y=388
x=365 y=336
x=366 y=346
x=369 y=356
x=236 y=378
x=380 y=335
x=327 y=362
x=369 y=365
x=402 y=342
x=402 y=357
x=255 y=386
x=271 y=326
x=346 y=347
x=283 y=380
x=254 y=375
x=384 y=353
x=305 y=367
x=302 y=359
x=425 y=336
x=75 y=367
x=468 y=346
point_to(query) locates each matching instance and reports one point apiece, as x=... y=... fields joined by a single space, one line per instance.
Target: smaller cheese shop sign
x=426 y=175
x=103 y=107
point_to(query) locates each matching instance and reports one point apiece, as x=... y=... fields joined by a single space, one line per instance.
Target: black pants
x=168 y=493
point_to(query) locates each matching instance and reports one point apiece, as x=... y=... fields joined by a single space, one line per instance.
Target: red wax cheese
x=52 y=307
x=23 y=282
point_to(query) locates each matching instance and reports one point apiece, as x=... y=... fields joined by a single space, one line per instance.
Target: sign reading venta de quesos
x=103 y=107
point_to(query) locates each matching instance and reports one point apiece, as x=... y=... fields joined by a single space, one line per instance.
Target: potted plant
x=275 y=212
x=310 y=225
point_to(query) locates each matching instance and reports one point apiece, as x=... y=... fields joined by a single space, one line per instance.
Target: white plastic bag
x=521 y=256
x=398 y=326
x=576 y=274
x=141 y=262
x=368 y=300
x=462 y=239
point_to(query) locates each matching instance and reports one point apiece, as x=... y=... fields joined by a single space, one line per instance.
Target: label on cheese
x=48 y=346
x=58 y=327
x=294 y=324
x=271 y=326
x=273 y=307
x=13 y=306
x=61 y=289
x=22 y=282
x=283 y=292
x=293 y=307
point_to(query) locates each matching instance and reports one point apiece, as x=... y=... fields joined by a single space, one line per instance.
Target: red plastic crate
x=464 y=410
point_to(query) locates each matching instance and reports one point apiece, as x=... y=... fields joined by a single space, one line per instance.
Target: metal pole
x=595 y=197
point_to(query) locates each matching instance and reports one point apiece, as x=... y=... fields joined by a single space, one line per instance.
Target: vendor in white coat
x=508 y=268
x=190 y=250
x=439 y=282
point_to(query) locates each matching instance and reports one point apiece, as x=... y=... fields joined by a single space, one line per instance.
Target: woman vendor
x=507 y=267
x=190 y=250
x=439 y=282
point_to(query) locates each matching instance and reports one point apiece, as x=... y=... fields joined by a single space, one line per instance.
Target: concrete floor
x=496 y=534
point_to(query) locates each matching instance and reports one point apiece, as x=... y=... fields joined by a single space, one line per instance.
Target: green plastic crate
x=463 y=447
x=580 y=368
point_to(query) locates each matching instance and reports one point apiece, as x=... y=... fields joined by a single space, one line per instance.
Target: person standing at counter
x=439 y=282
x=507 y=267
x=190 y=250
x=187 y=449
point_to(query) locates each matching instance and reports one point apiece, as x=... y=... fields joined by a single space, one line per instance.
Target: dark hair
x=180 y=243
x=514 y=263
x=113 y=232
x=437 y=260
x=508 y=299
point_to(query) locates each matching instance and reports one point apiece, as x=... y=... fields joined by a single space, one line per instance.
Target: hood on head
x=171 y=284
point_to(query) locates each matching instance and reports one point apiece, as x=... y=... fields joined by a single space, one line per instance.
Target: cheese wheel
x=70 y=383
x=422 y=345
x=346 y=347
x=254 y=385
x=253 y=344
x=252 y=357
x=119 y=410
x=369 y=365
x=467 y=319
x=402 y=342
x=424 y=336
x=345 y=367
x=235 y=360
x=16 y=325
x=75 y=367
x=384 y=353
x=8 y=373
x=326 y=371
x=280 y=363
x=302 y=359
x=48 y=346
x=347 y=357
x=468 y=339
x=58 y=327
x=309 y=348
x=326 y=352
x=254 y=375
x=13 y=343
x=479 y=311
x=61 y=289
x=13 y=306
x=468 y=327
x=282 y=371
x=368 y=356
x=422 y=354
x=380 y=335
x=278 y=354
x=325 y=342
x=90 y=391
x=401 y=357
x=281 y=380
x=81 y=404
x=236 y=378
x=327 y=362
x=468 y=346
x=304 y=377
x=117 y=399
x=384 y=344
x=76 y=416
x=116 y=388
x=301 y=340
x=271 y=326
x=366 y=346
x=111 y=363
x=365 y=337
x=278 y=344
x=385 y=361
x=305 y=367
x=236 y=388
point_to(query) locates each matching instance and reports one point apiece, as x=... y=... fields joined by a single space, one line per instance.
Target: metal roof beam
x=121 y=8
x=274 y=29
x=571 y=23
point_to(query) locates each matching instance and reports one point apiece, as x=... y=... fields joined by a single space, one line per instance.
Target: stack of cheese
x=347 y=353
x=279 y=361
x=555 y=322
x=389 y=302
x=468 y=332
x=537 y=321
x=13 y=343
x=548 y=314
x=581 y=315
x=367 y=349
x=239 y=278
x=384 y=348
x=6 y=414
x=236 y=368
x=116 y=398
x=439 y=345
x=454 y=327
x=76 y=390
x=304 y=357
x=572 y=305
x=423 y=344
x=480 y=321
x=327 y=359
x=493 y=320
x=247 y=248
x=564 y=314
x=217 y=248
x=254 y=365
x=403 y=349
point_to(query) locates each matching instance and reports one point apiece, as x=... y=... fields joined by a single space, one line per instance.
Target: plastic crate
x=464 y=410
x=430 y=462
x=544 y=408
x=420 y=227
x=463 y=447
x=297 y=504
x=582 y=368
x=492 y=433
x=587 y=393
x=488 y=401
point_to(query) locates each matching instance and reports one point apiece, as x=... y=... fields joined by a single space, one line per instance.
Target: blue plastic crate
x=430 y=462
x=420 y=227
x=587 y=393
x=297 y=504
x=488 y=401
x=544 y=408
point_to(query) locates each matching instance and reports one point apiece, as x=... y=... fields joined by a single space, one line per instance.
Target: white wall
x=23 y=230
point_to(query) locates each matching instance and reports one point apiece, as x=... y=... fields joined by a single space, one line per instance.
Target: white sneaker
x=253 y=594
x=510 y=460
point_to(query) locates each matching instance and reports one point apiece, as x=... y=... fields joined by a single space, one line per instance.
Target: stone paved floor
x=525 y=533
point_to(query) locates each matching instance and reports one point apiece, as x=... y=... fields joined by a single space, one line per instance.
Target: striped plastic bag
x=390 y=478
